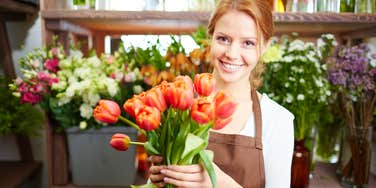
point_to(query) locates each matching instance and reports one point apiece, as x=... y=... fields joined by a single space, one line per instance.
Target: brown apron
x=241 y=156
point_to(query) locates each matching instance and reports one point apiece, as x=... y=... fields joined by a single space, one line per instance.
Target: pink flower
x=51 y=65
x=31 y=98
x=54 y=52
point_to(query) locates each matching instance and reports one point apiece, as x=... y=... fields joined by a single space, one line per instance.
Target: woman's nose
x=232 y=52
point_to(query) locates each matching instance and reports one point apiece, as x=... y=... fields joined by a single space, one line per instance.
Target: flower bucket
x=93 y=162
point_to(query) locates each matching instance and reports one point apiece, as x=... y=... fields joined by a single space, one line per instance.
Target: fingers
x=194 y=177
x=156 y=177
x=182 y=184
x=155 y=159
x=186 y=168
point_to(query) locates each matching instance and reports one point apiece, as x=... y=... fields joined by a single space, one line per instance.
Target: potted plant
x=68 y=87
x=295 y=78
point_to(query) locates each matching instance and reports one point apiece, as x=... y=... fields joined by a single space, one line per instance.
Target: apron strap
x=257 y=115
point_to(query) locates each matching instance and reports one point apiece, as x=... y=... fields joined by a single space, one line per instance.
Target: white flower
x=289 y=98
x=86 y=111
x=112 y=87
x=287 y=85
x=301 y=80
x=94 y=60
x=93 y=98
x=292 y=79
x=137 y=89
x=300 y=97
x=75 y=54
x=296 y=45
x=83 y=125
x=318 y=81
x=288 y=59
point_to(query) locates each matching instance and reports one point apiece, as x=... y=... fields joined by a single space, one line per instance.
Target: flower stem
x=137 y=143
x=127 y=121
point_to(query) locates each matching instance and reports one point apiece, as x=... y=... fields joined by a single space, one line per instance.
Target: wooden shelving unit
x=15 y=173
x=92 y=26
x=156 y=22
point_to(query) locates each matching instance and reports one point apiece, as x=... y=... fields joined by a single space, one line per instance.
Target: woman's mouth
x=228 y=67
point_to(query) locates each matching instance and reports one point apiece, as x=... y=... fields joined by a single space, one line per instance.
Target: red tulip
x=155 y=98
x=148 y=118
x=120 y=141
x=202 y=111
x=219 y=123
x=107 y=111
x=131 y=106
x=225 y=105
x=204 y=84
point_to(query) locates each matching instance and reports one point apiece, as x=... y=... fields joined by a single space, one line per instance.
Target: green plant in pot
x=295 y=78
x=15 y=117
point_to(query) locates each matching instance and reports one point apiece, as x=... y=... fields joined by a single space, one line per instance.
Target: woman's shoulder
x=272 y=109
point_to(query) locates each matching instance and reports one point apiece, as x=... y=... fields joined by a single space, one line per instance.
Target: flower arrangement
x=16 y=118
x=295 y=78
x=175 y=122
x=352 y=73
x=69 y=86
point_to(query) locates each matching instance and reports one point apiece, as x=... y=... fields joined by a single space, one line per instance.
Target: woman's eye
x=249 y=44
x=223 y=39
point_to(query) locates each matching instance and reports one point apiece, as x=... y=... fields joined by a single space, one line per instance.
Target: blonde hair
x=261 y=13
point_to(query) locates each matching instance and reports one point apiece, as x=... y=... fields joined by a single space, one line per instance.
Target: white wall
x=24 y=37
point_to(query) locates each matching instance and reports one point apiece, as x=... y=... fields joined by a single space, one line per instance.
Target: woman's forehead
x=236 y=23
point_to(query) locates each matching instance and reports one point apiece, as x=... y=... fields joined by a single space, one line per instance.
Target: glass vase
x=80 y=4
x=355 y=166
x=364 y=6
x=347 y=5
x=300 y=165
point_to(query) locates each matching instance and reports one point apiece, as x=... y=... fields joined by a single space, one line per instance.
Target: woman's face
x=234 y=47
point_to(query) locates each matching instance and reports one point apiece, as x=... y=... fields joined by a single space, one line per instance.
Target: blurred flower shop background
x=60 y=58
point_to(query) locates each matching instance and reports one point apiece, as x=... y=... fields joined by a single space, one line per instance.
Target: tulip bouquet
x=176 y=118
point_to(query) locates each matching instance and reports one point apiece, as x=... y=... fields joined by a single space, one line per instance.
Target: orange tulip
x=155 y=98
x=179 y=94
x=225 y=105
x=219 y=123
x=107 y=111
x=202 y=111
x=131 y=106
x=120 y=141
x=185 y=79
x=204 y=84
x=148 y=118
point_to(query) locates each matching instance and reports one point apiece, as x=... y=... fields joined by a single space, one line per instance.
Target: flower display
x=295 y=78
x=352 y=73
x=68 y=86
x=176 y=120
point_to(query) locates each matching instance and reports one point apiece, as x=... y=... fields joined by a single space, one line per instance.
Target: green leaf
x=193 y=145
x=179 y=142
x=207 y=158
x=144 y=186
x=150 y=149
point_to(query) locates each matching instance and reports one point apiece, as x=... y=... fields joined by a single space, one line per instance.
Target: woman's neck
x=239 y=90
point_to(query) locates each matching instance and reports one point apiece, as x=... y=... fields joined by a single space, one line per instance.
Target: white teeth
x=232 y=66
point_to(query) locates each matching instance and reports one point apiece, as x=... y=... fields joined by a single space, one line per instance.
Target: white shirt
x=277 y=142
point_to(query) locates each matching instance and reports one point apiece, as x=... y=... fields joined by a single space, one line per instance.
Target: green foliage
x=15 y=117
x=296 y=79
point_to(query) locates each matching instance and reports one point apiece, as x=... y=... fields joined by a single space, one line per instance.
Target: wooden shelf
x=146 y=22
x=13 y=173
x=11 y=10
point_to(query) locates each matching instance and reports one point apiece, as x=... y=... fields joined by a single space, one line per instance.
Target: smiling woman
x=260 y=129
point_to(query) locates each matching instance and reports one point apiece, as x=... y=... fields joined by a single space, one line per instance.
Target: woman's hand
x=155 y=170
x=195 y=176
x=186 y=176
